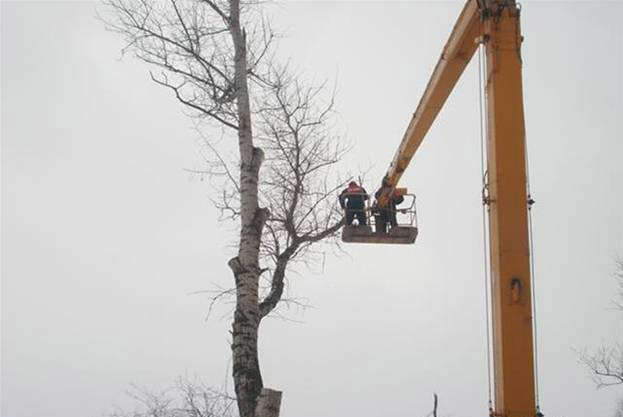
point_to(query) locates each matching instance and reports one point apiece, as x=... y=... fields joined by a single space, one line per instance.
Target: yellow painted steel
x=496 y=23
x=508 y=217
x=456 y=54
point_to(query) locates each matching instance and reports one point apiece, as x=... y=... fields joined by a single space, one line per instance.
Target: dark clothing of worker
x=387 y=215
x=352 y=199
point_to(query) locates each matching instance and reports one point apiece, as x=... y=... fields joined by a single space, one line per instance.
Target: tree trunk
x=245 y=266
x=268 y=403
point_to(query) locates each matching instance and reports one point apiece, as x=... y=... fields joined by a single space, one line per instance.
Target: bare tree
x=606 y=363
x=187 y=398
x=216 y=57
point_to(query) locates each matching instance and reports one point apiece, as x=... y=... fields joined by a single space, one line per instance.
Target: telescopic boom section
x=508 y=202
x=455 y=56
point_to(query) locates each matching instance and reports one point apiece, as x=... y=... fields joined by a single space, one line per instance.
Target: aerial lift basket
x=404 y=232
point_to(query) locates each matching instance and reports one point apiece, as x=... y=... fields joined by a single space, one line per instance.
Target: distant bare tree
x=216 y=57
x=606 y=363
x=619 y=276
x=187 y=398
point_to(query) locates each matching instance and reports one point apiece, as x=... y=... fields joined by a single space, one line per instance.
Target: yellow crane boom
x=495 y=24
x=454 y=58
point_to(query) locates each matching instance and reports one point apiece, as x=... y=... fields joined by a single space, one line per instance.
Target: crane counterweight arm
x=456 y=54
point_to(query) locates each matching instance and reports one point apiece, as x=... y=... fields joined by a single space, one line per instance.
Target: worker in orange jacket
x=352 y=199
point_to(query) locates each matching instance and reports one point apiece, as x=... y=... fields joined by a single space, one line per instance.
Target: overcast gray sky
x=105 y=236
